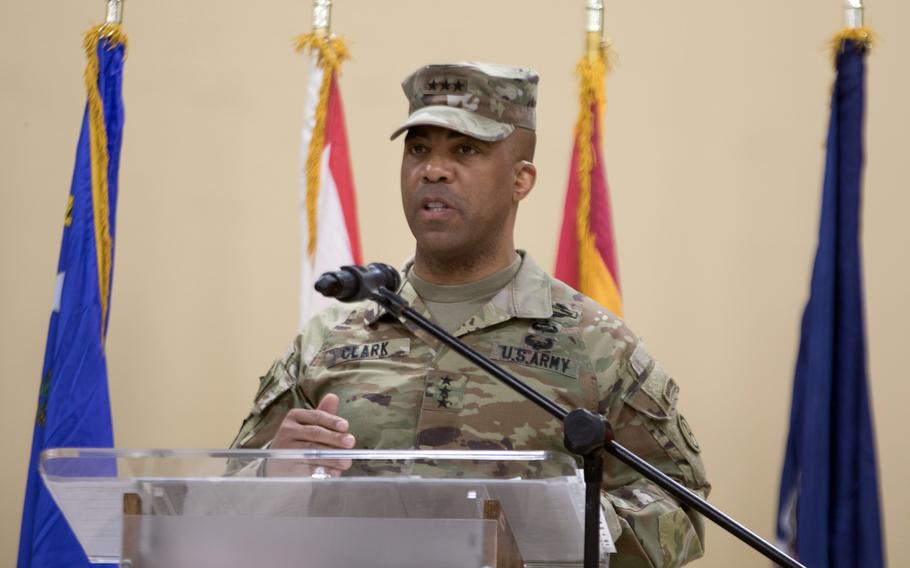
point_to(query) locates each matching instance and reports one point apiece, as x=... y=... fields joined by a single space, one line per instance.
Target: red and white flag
x=328 y=208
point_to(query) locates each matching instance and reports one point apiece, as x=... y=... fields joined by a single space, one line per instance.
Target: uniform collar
x=526 y=296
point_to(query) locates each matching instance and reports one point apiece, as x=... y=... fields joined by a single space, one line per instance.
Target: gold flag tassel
x=331 y=53
x=592 y=71
x=863 y=36
x=114 y=35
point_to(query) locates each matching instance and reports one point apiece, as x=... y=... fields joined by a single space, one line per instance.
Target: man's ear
x=525 y=176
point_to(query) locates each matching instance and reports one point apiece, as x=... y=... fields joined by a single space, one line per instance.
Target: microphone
x=355 y=283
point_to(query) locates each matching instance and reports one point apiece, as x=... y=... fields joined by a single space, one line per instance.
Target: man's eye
x=417 y=149
x=467 y=150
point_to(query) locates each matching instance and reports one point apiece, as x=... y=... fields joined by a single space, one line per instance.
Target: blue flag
x=829 y=503
x=73 y=404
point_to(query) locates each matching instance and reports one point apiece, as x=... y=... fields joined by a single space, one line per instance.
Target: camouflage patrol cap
x=483 y=100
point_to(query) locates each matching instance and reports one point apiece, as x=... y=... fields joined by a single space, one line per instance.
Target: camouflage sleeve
x=279 y=389
x=277 y=394
x=656 y=530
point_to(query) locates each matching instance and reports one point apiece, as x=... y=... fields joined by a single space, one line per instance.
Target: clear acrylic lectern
x=320 y=509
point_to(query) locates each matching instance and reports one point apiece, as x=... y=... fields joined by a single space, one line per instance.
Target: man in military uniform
x=357 y=377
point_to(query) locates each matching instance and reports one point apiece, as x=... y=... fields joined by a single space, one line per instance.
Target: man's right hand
x=320 y=429
x=307 y=429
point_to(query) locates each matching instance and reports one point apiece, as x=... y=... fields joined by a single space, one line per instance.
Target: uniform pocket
x=679 y=541
x=271 y=386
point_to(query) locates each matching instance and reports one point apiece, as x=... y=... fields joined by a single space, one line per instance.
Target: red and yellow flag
x=586 y=259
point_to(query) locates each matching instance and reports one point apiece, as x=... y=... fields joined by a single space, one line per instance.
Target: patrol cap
x=482 y=100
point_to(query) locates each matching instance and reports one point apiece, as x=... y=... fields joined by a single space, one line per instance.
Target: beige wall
x=714 y=150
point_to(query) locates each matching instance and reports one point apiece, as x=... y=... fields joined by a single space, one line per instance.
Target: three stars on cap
x=445 y=85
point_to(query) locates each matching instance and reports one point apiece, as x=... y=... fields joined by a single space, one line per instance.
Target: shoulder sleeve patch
x=656 y=395
x=688 y=435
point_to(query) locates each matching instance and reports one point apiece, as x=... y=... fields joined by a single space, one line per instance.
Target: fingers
x=321 y=418
x=329 y=403
x=311 y=436
x=319 y=428
x=312 y=429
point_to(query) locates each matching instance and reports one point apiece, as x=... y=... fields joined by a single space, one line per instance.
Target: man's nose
x=437 y=169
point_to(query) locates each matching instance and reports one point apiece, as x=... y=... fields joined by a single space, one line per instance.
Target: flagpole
x=322 y=17
x=114 y=12
x=594 y=26
x=853 y=13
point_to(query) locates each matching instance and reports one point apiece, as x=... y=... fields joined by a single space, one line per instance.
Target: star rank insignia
x=444 y=391
x=443 y=398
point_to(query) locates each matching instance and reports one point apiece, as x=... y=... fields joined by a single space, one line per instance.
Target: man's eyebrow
x=415 y=132
x=454 y=135
x=420 y=132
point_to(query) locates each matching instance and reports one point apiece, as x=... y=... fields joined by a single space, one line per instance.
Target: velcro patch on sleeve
x=640 y=359
x=656 y=395
x=536 y=359
x=363 y=351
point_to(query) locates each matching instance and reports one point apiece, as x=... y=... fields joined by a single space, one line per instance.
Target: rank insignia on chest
x=360 y=352
x=444 y=391
x=536 y=359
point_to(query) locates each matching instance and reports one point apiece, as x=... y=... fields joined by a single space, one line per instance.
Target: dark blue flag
x=829 y=503
x=73 y=404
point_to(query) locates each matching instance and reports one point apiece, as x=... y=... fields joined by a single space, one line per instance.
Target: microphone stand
x=586 y=434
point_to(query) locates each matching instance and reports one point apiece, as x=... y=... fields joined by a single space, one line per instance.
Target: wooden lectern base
x=132 y=516
x=507 y=553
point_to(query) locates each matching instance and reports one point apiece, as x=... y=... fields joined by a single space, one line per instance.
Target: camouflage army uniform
x=399 y=388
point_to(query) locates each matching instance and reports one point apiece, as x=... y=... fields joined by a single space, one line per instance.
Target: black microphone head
x=355 y=283
x=329 y=285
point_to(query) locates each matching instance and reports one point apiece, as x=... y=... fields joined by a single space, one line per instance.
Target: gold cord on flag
x=595 y=279
x=863 y=36
x=331 y=53
x=104 y=244
x=592 y=73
